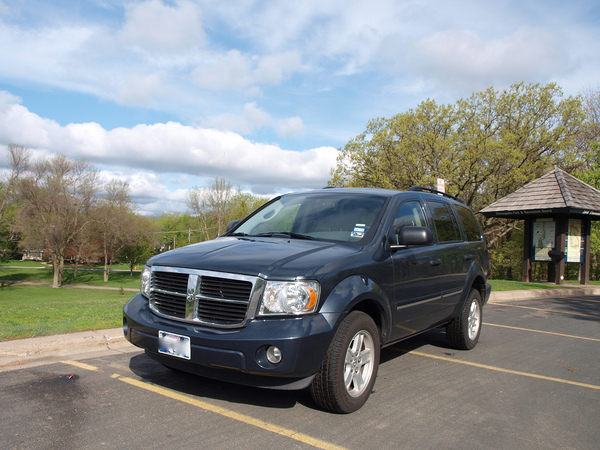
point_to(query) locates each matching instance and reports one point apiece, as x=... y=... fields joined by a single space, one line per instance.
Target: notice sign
x=543 y=239
x=574 y=241
x=441 y=185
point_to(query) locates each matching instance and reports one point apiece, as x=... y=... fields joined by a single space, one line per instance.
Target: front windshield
x=329 y=216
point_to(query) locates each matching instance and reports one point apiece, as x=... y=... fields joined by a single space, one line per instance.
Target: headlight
x=146 y=282
x=296 y=297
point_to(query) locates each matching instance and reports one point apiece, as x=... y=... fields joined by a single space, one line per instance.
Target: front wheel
x=347 y=375
x=463 y=332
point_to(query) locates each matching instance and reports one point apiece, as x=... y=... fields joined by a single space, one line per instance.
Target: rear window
x=445 y=222
x=469 y=223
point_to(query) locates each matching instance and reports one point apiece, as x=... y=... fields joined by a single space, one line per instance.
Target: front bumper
x=238 y=355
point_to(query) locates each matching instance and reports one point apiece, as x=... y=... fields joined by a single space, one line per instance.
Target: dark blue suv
x=306 y=291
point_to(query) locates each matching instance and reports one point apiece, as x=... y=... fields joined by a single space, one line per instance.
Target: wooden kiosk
x=558 y=210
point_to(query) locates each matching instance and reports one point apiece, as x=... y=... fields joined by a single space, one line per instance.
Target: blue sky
x=169 y=94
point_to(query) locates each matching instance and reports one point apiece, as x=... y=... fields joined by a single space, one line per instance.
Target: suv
x=306 y=291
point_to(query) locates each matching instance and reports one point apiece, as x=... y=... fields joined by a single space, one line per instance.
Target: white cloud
x=253 y=119
x=291 y=127
x=169 y=148
x=464 y=57
x=141 y=89
x=155 y=26
x=234 y=70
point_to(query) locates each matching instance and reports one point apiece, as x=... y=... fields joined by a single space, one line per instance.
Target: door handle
x=435 y=262
x=468 y=257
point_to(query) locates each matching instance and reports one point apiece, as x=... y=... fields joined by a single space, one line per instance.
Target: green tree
x=143 y=240
x=485 y=146
x=176 y=230
x=18 y=159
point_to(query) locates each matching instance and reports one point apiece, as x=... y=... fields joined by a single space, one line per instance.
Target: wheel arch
x=361 y=293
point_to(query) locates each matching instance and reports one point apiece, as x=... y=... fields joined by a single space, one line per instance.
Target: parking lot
x=533 y=381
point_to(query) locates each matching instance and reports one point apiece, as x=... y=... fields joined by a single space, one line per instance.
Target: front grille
x=198 y=296
x=224 y=288
x=169 y=281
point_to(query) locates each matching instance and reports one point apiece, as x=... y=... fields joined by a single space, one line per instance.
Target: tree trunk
x=57 y=271
x=105 y=262
x=106 y=270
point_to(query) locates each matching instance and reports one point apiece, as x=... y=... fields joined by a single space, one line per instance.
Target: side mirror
x=231 y=225
x=417 y=236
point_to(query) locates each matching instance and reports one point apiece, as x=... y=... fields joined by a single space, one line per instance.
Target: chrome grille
x=200 y=296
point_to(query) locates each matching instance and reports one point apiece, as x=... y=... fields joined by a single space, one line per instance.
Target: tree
x=590 y=173
x=485 y=146
x=211 y=206
x=113 y=222
x=141 y=242
x=18 y=158
x=177 y=230
x=58 y=195
x=216 y=205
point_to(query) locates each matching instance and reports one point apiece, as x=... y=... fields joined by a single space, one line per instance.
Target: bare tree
x=58 y=195
x=113 y=221
x=211 y=205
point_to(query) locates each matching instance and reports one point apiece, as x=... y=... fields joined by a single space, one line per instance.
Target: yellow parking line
x=552 y=310
x=579 y=299
x=80 y=365
x=230 y=414
x=500 y=369
x=540 y=331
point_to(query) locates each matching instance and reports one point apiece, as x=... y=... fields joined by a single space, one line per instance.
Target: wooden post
x=587 y=254
x=526 y=277
x=561 y=240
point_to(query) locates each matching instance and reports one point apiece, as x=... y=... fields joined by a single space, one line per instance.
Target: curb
x=527 y=294
x=72 y=346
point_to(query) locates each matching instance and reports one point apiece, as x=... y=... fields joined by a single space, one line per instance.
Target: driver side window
x=410 y=214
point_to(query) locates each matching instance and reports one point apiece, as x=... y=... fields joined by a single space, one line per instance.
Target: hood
x=270 y=257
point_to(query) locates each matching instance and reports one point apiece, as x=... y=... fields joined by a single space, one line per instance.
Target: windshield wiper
x=286 y=234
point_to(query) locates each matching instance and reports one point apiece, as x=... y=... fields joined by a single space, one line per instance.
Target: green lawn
x=505 y=285
x=27 y=311
x=85 y=277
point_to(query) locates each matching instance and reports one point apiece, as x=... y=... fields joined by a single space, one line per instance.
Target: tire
x=347 y=375
x=463 y=332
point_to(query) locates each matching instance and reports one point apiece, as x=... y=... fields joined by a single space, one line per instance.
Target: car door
x=451 y=250
x=417 y=276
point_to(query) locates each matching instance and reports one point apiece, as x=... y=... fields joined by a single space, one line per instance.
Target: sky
x=170 y=94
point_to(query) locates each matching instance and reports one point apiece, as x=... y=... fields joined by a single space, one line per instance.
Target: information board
x=544 y=233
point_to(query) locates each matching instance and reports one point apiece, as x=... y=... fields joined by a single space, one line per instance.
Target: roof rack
x=433 y=191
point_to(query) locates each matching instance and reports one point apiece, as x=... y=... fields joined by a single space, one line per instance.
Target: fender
x=474 y=277
x=352 y=292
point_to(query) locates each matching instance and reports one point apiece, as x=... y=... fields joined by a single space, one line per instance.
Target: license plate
x=174 y=345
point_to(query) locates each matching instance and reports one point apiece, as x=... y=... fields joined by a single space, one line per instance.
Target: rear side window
x=469 y=223
x=445 y=222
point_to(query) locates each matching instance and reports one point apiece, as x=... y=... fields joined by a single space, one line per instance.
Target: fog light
x=274 y=355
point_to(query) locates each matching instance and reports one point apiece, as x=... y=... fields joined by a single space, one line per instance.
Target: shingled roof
x=555 y=193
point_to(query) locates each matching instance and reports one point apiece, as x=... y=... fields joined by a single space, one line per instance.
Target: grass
x=506 y=285
x=15 y=263
x=84 y=277
x=28 y=311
